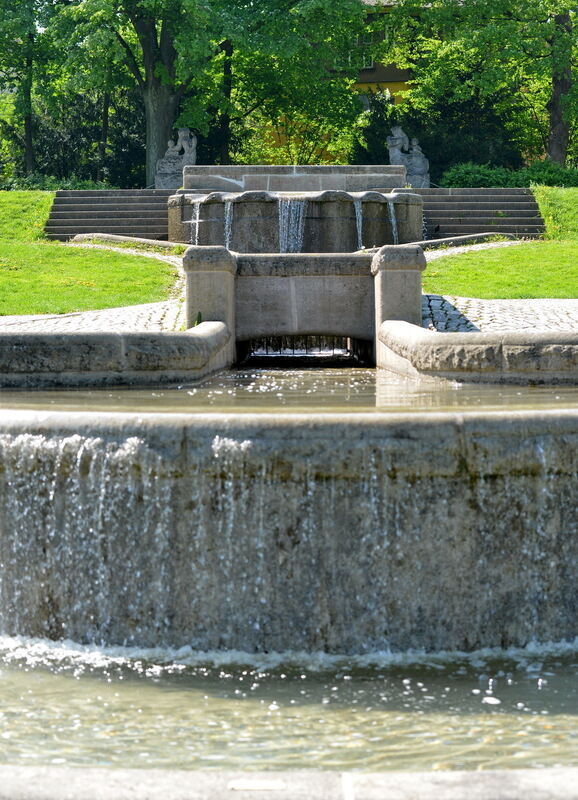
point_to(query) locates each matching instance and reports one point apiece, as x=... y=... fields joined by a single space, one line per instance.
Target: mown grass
x=42 y=277
x=23 y=215
x=535 y=269
x=559 y=208
x=538 y=269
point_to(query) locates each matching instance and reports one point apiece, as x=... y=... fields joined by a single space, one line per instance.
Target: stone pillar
x=397 y=279
x=210 y=287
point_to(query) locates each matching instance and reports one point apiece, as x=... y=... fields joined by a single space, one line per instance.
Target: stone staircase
x=127 y=212
x=459 y=212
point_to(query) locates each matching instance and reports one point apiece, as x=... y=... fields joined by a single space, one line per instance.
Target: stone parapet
x=112 y=359
x=326 y=294
x=292 y=177
x=332 y=220
x=529 y=357
x=99 y=783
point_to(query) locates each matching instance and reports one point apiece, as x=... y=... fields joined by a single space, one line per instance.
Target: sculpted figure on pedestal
x=410 y=156
x=169 y=172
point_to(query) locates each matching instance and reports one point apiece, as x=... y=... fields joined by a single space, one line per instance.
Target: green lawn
x=42 y=277
x=559 y=207
x=535 y=269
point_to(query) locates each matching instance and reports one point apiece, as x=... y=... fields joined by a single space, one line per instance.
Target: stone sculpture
x=410 y=156
x=183 y=152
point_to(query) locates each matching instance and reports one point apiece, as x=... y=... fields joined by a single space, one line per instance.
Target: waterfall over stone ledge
x=260 y=534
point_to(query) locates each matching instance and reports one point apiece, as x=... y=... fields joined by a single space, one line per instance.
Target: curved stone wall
x=300 y=532
x=333 y=221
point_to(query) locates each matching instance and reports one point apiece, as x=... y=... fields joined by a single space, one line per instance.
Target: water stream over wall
x=195 y=222
x=292 y=214
x=393 y=221
x=358 y=208
x=228 y=223
x=261 y=533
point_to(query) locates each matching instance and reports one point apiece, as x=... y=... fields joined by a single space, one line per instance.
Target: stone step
x=66 y=237
x=457 y=202
x=451 y=229
x=108 y=202
x=496 y=191
x=483 y=219
x=116 y=193
x=65 y=232
x=81 y=214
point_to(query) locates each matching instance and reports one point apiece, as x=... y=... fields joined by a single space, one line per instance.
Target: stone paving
x=442 y=313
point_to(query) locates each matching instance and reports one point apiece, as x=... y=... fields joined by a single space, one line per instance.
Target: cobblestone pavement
x=470 y=314
x=448 y=313
x=442 y=313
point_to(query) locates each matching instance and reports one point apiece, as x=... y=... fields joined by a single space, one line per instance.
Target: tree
x=193 y=61
x=519 y=55
x=22 y=46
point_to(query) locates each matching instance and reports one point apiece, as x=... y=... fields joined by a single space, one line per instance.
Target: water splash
x=228 y=215
x=393 y=221
x=195 y=222
x=292 y=212
x=358 y=221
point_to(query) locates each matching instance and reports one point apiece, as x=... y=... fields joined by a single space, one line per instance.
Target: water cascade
x=292 y=213
x=393 y=221
x=240 y=532
x=195 y=222
x=228 y=221
x=358 y=221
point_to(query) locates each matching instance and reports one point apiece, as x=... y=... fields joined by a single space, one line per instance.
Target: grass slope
x=42 y=277
x=532 y=270
x=559 y=207
x=538 y=269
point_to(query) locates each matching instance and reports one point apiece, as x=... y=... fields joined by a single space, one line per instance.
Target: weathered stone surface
x=529 y=357
x=46 y=783
x=300 y=294
x=106 y=359
x=331 y=222
x=297 y=532
x=294 y=177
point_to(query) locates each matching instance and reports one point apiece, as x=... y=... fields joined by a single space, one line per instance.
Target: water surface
x=318 y=390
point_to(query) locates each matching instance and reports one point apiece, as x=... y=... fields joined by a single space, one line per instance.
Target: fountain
x=346 y=536
x=327 y=209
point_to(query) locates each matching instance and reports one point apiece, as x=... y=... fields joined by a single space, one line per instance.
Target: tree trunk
x=103 y=136
x=161 y=105
x=559 y=132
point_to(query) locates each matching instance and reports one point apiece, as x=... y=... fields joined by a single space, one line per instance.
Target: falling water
x=228 y=223
x=358 y=222
x=393 y=221
x=292 y=214
x=195 y=222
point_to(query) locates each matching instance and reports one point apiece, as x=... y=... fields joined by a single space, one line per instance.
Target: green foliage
x=23 y=215
x=449 y=133
x=484 y=175
x=536 y=269
x=559 y=208
x=37 y=181
x=518 y=56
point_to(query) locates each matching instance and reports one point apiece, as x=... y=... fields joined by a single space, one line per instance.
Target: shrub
x=545 y=173
x=36 y=181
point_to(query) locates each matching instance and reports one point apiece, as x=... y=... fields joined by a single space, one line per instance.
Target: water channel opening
x=313 y=351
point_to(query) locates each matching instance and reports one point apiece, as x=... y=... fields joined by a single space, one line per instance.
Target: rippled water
x=316 y=390
x=81 y=706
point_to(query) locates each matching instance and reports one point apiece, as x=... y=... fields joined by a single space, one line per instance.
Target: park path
x=442 y=313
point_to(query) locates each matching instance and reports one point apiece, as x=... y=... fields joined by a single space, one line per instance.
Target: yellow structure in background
x=373 y=76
